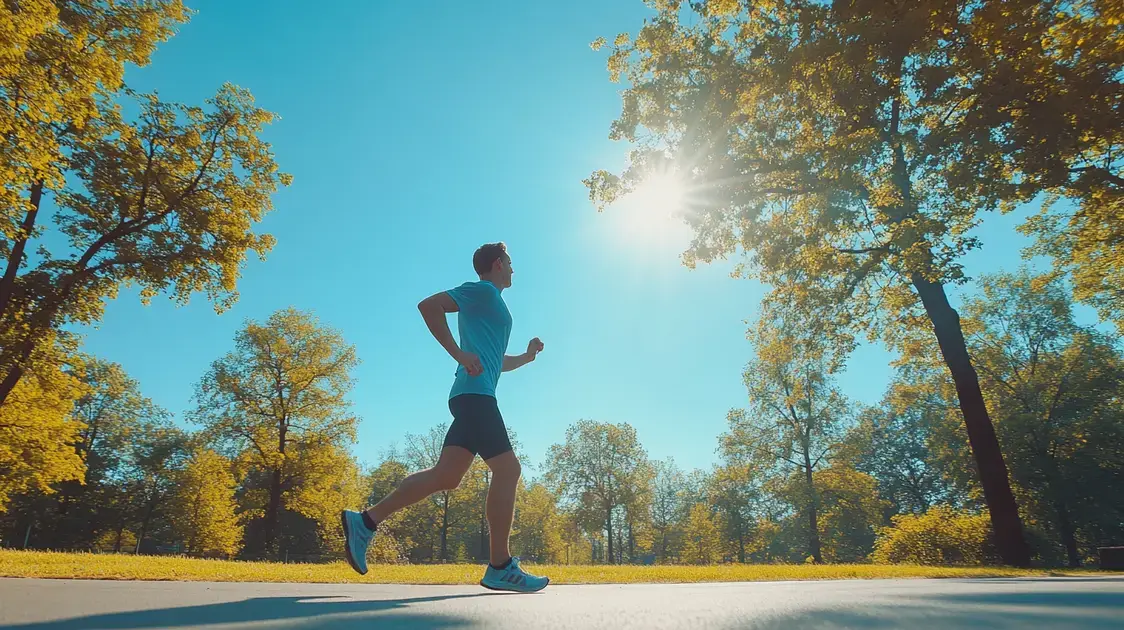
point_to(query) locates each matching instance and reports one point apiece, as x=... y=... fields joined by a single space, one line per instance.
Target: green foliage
x=1055 y=390
x=600 y=471
x=940 y=536
x=668 y=486
x=796 y=417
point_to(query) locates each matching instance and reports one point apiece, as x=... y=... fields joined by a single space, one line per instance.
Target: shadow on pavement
x=998 y=611
x=300 y=612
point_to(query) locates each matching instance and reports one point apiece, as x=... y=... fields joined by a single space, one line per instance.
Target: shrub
x=940 y=536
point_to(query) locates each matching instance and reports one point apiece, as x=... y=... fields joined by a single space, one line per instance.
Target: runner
x=484 y=325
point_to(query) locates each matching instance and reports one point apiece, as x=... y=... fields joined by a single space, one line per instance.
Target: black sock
x=368 y=521
x=502 y=566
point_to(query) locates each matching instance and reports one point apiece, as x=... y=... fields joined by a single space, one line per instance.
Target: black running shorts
x=477 y=426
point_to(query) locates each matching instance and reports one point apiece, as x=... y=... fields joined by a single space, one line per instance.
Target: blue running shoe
x=513 y=578
x=356 y=538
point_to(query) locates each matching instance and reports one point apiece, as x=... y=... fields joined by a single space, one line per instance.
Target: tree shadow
x=309 y=611
x=997 y=611
x=1064 y=599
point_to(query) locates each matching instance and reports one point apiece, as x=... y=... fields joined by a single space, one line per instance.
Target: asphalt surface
x=1091 y=602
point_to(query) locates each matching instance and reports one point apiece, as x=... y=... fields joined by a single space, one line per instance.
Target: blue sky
x=416 y=132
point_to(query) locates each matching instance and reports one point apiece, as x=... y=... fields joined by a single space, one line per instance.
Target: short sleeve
x=466 y=296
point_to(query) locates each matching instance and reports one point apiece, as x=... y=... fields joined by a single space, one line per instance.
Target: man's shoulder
x=479 y=287
x=475 y=294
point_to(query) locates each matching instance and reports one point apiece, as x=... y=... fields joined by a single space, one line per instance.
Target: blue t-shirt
x=484 y=326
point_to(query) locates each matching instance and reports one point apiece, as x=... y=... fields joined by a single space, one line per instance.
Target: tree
x=204 y=505
x=895 y=444
x=1055 y=390
x=667 y=488
x=280 y=392
x=701 y=544
x=734 y=494
x=598 y=469
x=323 y=480
x=1054 y=88
x=852 y=513
x=159 y=452
x=847 y=148
x=61 y=63
x=795 y=415
x=540 y=534
x=127 y=445
x=166 y=202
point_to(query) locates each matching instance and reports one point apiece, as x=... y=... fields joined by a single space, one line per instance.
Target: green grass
x=39 y=564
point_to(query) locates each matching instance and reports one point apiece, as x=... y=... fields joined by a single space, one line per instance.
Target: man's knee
x=506 y=466
x=448 y=480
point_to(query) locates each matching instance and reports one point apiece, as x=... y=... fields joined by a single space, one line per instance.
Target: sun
x=652 y=214
x=663 y=196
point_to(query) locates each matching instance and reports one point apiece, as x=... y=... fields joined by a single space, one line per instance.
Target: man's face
x=503 y=271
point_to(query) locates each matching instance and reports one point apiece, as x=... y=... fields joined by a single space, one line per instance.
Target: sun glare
x=652 y=212
x=662 y=195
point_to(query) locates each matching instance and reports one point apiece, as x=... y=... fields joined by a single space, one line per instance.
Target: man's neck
x=489 y=280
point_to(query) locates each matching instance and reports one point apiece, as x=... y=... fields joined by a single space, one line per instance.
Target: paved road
x=912 y=604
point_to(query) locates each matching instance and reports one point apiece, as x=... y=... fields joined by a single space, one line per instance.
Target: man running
x=484 y=325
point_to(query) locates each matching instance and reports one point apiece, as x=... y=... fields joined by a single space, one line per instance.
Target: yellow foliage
x=540 y=534
x=940 y=536
x=108 y=541
x=167 y=200
x=702 y=541
x=204 y=505
x=38 y=434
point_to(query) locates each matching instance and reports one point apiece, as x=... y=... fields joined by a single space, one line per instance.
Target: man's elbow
x=436 y=305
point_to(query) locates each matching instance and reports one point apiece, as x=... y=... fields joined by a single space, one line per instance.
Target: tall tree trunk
x=981 y=434
x=144 y=524
x=273 y=512
x=273 y=516
x=485 y=547
x=631 y=542
x=741 y=541
x=445 y=527
x=609 y=526
x=1069 y=539
x=813 y=515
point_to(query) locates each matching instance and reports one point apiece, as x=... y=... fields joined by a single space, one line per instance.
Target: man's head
x=493 y=264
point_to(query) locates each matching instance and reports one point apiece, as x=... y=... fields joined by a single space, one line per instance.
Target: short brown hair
x=486 y=256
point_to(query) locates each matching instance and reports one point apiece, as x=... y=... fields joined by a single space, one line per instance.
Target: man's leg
x=500 y=505
x=446 y=475
x=359 y=527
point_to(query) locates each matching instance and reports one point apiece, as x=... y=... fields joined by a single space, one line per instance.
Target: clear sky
x=416 y=132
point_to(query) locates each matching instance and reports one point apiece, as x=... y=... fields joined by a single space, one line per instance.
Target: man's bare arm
x=516 y=361
x=512 y=362
x=434 y=310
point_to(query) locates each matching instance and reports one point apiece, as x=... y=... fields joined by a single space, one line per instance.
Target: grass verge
x=39 y=564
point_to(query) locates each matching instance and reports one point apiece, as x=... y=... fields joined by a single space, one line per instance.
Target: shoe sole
x=511 y=590
x=347 y=543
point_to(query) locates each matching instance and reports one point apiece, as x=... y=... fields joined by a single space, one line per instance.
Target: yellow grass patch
x=39 y=564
